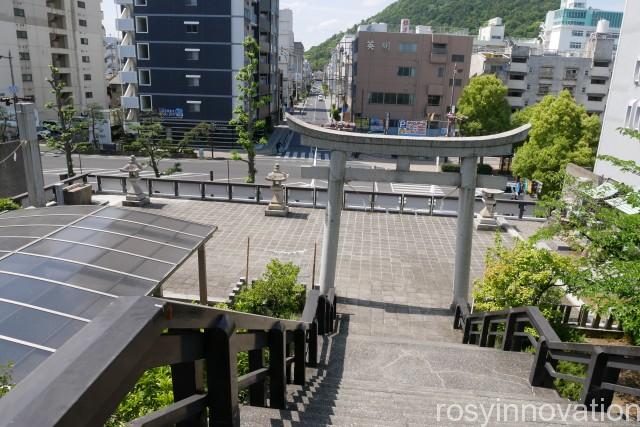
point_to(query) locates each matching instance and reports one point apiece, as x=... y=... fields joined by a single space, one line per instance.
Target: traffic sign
x=13 y=89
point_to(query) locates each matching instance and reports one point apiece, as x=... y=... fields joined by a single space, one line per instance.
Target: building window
x=82 y=22
x=142 y=24
x=82 y=5
x=571 y=74
x=457 y=58
x=192 y=54
x=405 y=99
x=577 y=33
x=391 y=98
x=192 y=27
x=601 y=64
x=597 y=98
x=144 y=77
x=86 y=59
x=544 y=89
x=440 y=72
x=376 y=98
x=88 y=95
x=546 y=72
x=24 y=56
x=595 y=81
x=140 y=2
x=84 y=40
x=636 y=73
x=21 y=34
x=18 y=12
x=406 y=71
x=457 y=82
x=434 y=100
x=191 y=3
x=193 y=106
x=575 y=45
x=146 y=103
x=193 y=80
x=408 y=47
x=144 y=51
x=87 y=77
x=440 y=48
x=27 y=78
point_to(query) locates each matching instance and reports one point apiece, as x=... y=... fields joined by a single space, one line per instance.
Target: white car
x=42 y=132
x=320 y=98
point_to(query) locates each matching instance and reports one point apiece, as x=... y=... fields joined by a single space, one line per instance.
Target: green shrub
x=569 y=389
x=5 y=379
x=177 y=167
x=8 y=205
x=483 y=169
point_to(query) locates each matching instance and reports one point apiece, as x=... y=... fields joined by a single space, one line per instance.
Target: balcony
x=600 y=72
x=264 y=68
x=124 y=2
x=127 y=51
x=129 y=77
x=515 y=101
x=545 y=75
x=125 y=24
x=593 y=89
x=265 y=25
x=265 y=5
x=519 y=67
x=517 y=84
x=595 y=106
x=56 y=21
x=130 y=102
x=265 y=47
x=264 y=90
x=58 y=41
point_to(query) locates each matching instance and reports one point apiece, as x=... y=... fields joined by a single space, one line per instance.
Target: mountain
x=521 y=17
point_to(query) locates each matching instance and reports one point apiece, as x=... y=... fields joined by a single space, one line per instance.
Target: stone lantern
x=488 y=219
x=135 y=193
x=277 y=205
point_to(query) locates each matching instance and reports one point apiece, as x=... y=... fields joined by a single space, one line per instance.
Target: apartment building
x=339 y=71
x=111 y=60
x=410 y=75
x=531 y=73
x=180 y=58
x=286 y=50
x=569 y=28
x=64 y=33
x=623 y=103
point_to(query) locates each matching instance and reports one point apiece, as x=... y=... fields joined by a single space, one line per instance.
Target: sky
x=316 y=20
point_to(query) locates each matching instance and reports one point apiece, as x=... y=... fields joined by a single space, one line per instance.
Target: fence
x=310 y=197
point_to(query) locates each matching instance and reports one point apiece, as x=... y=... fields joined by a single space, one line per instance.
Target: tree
x=4 y=124
x=249 y=128
x=561 y=132
x=151 y=142
x=94 y=116
x=608 y=241
x=66 y=133
x=484 y=104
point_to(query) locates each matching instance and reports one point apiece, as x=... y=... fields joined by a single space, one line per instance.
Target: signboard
x=171 y=112
x=412 y=128
x=376 y=125
x=362 y=123
x=103 y=130
x=405 y=26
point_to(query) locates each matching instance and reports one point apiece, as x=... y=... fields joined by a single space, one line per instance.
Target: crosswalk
x=304 y=155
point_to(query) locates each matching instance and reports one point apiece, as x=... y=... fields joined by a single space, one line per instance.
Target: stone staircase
x=367 y=380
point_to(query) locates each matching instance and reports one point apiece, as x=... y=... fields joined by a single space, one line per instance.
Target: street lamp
x=13 y=89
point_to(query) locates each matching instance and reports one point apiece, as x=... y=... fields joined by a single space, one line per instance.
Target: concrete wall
x=623 y=105
x=12 y=180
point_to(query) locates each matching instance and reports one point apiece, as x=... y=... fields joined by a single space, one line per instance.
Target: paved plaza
x=393 y=270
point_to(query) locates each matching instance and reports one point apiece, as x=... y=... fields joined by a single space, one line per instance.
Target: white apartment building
x=623 y=105
x=64 y=33
x=111 y=61
x=568 y=29
x=286 y=54
x=339 y=72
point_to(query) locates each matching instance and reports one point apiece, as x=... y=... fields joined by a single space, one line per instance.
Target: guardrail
x=316 y=198
x=510 y=330
x=49 y=190
x=86 y=379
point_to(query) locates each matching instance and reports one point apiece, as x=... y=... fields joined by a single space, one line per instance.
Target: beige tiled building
x=65 y=33
x=413 y=75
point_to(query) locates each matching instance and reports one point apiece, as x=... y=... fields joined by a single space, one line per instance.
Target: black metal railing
x=370 y=201
x=85 y=380
x=513 y=330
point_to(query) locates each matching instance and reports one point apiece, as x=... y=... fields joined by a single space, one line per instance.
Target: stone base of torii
x=468 y=149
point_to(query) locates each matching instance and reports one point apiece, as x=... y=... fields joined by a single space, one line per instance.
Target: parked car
x=320 y=98
x=42 y=132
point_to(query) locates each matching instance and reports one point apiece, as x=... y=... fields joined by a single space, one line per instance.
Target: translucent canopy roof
x=59 y=267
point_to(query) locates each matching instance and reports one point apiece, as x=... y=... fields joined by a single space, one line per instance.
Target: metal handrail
x=603 y=362
x=102 y=362
x=82 y=177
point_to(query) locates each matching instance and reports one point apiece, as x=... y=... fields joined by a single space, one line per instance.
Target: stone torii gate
x=468 y=149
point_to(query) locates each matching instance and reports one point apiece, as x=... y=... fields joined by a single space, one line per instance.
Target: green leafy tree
x=522 y=276
x=484 y=105
x=67 y=134
x=609 y=243
x=94 y=116
x=249 y=127
x=151 y=141
x=561 y=132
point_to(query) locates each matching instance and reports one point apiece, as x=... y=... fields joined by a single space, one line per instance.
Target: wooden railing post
x=313 y=344
x=222 y=375
x=593 y=396
x=229 y=191
x=123 y=183
x=321 y=315
x=299 y=363
x=277 y=367
x=509 y=329
x=150 y=185
x=484 y=334
x=256 y=391
x=176 y=189
x=99 y=182
x=539 y=376
x=186 y=384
